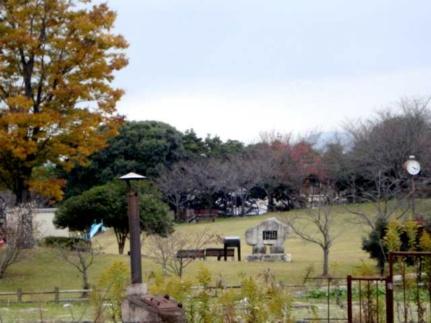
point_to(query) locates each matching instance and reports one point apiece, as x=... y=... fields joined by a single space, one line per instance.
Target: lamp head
x=131 y=177
x=128 y=178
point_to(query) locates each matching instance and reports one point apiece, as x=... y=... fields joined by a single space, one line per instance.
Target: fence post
x=349 y=299
x=56 y=294
x=329 y=298
x=19 y=295
x=389 y=300
x=390 y=291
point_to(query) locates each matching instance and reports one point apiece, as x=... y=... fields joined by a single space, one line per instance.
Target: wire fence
x=316 y=299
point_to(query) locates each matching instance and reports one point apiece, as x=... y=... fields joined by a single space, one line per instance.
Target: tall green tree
x=143 y=147
x=193 y=144
x=215 y=147
x=108 y=203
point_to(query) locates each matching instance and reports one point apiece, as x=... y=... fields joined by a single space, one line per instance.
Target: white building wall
x=43 y=223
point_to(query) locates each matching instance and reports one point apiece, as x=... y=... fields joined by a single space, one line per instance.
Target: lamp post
x=138 y=306
x=134 y=227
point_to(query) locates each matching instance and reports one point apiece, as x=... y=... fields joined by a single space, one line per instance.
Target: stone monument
x=270 y=233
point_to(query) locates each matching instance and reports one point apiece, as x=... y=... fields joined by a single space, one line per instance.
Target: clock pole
x=412 y=167
x=413 y=197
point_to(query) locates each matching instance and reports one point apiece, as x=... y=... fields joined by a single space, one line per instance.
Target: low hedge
x=65 y=242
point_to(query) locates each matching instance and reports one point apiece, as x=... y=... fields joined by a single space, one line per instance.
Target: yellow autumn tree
x=57 y=104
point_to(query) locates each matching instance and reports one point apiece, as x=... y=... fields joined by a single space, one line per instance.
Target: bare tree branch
x=163 y=250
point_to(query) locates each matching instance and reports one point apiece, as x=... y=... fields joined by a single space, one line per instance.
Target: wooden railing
x=21 y=296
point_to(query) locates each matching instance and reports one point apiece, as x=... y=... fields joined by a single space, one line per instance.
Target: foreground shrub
x=174 y=286
x=261 y=299
x=110 y=288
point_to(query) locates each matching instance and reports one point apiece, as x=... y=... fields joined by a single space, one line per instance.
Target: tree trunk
x=86 y=284
x=382 y=260
x=271 y=206
x=177 y=211
x=325 y=272
x=242 y=204
x=121 y=241
x=121 y=246
x=23 y=203
x=181 y=266
x=26 y=239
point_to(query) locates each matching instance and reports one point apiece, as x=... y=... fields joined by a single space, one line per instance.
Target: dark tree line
x=144 y=147
x=234 y=182
x=365 y=164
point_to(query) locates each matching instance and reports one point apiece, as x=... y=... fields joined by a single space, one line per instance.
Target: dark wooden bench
x=219 y=253
x=202 y=214
x=191 y=253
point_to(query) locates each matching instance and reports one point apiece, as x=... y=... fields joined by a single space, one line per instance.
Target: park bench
x=191 y=253
x=198 y=215
x=219 y=253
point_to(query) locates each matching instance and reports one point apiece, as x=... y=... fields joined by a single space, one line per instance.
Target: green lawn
x=44 y=312
x=345 y=254
x=43 y=269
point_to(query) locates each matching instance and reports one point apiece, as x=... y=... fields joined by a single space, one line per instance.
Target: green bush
x=65 y=242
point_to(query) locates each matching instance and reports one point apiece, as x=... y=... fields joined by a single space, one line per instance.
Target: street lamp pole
x=138 y=306
x=134 y=227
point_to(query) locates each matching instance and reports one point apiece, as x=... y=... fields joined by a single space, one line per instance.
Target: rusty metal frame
x=389 y=285
x=390 y=291
x=368 y=280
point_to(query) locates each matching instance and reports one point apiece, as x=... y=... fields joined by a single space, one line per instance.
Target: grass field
x=46 y=313
x=42 y=268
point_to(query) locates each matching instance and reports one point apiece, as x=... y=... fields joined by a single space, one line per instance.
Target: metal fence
x=366 y=299
x=403 y=296
x=410 y=281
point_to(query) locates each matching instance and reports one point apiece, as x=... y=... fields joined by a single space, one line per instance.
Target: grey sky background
x=235 y=68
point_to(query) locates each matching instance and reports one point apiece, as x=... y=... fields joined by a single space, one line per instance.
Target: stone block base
x=139 y=307
x=270 y=257
x=137 y=289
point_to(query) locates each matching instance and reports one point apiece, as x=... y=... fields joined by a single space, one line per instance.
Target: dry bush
x=163 y=250
x=12 y=234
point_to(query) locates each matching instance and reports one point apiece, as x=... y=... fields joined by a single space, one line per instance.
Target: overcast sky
x=235 y=68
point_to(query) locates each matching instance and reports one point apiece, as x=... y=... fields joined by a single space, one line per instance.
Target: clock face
x=413 y=167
